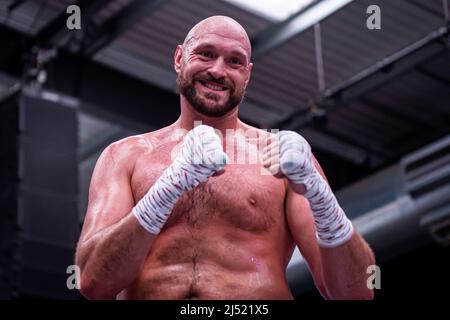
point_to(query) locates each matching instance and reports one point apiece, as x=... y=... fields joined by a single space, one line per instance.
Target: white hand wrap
x=296 y=163
x=200 y=156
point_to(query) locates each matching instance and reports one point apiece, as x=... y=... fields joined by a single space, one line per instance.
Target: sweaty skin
x=232 y=236
x=227 y=238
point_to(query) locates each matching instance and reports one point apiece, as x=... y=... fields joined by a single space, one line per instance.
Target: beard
x=186 y=87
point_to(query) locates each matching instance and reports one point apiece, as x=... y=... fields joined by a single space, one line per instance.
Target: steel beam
x=279 y=33
x=432 y=45
x=115 y=26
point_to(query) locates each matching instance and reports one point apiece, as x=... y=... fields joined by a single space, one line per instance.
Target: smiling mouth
x=213 y=86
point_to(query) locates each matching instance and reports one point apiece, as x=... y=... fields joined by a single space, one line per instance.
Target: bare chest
x=244 y=196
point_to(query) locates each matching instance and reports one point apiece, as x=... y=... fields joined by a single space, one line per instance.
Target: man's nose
x=217 y=70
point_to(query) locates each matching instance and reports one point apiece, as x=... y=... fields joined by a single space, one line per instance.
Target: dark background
x=373 y=104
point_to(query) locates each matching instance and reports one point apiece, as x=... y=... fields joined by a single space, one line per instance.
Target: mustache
x=221 y=81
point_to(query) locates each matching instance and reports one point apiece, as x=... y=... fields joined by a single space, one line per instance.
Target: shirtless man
x=162 y=225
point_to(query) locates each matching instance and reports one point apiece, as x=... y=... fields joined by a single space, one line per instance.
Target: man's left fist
x=288 y=153
x=295 y=161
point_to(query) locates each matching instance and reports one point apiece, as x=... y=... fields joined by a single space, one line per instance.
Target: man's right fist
x=202 y=150
x=201 y=155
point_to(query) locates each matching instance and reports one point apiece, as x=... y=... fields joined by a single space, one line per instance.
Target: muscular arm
x=301 y=225
x=340 y=272
x=118 y=234
x=112 y=245
x=345 y=267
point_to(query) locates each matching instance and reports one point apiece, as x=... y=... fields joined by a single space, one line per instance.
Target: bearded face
x=209 y=96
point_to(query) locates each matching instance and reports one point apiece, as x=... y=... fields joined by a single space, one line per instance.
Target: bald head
x=220 y=25
x=213 y=66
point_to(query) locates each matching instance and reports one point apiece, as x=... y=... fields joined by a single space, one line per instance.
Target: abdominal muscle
x=218 y=264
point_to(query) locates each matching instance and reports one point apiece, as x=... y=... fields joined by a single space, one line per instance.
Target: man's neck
x=190 y=117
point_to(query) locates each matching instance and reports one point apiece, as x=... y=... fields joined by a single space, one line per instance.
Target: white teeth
x=213 y=87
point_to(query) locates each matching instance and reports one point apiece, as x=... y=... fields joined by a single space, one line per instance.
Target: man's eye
x=235 y=61
x=206 y=54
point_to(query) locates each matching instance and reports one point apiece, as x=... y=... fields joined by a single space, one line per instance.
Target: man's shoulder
x=139 y=143
x=129 y=145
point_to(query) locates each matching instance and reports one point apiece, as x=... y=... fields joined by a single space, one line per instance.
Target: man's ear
x=177 y=59
x=250 y=68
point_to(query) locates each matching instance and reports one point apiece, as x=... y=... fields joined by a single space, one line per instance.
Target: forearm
x=345 y=269
x=345 y=256
x=112 y=258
